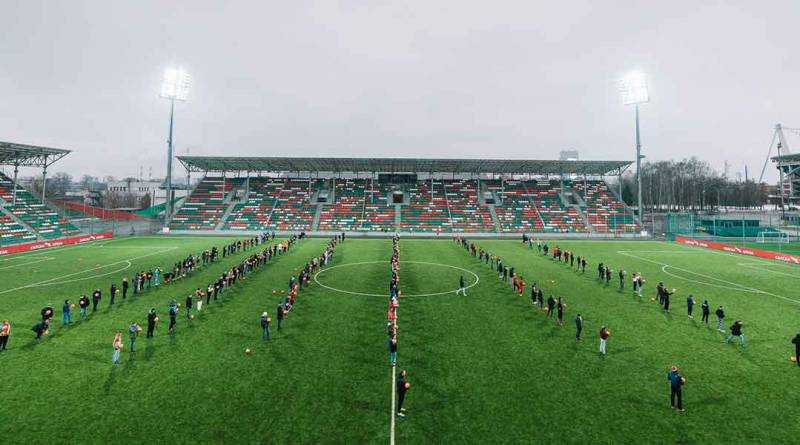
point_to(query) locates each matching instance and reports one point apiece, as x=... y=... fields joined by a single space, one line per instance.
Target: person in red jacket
x=604 y=334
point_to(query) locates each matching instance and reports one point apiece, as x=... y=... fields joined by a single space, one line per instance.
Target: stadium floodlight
x=633 y=89
x=175 y=86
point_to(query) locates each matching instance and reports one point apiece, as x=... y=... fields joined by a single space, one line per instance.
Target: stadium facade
x=427 y=197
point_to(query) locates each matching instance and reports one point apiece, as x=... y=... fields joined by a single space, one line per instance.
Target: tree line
x=691 y=185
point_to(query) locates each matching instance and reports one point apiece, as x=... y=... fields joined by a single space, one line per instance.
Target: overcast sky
x=425 y=78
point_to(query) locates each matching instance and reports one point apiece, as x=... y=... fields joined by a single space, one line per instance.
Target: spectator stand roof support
x=208 y=164
x=21 y=155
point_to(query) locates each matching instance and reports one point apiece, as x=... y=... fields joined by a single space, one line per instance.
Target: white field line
x=394 y=405
x=28 y=263
x=758 y=267
x=726 y=284
x=55 y=280
x=17 y=257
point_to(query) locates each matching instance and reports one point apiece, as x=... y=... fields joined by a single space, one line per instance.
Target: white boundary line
x=477 y=279
x=729 y=284
x=28 y=263
x=53 y=281
x=393 y=405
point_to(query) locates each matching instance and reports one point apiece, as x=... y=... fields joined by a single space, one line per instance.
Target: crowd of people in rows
x=296 y=285
x=401 y=383
x=145 y=280
x=552 y=305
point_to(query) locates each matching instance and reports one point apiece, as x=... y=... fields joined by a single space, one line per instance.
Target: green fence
x=761 y=231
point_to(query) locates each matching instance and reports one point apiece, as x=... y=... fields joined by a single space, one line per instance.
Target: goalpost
x=774 y=237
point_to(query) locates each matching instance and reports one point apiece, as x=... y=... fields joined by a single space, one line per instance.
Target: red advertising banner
x=794 y=259
x=17 y=248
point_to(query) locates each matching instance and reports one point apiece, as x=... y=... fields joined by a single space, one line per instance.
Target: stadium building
x=417 y=196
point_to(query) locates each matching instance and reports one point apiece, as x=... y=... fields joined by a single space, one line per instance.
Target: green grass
x=485 y=368
x=792 y=247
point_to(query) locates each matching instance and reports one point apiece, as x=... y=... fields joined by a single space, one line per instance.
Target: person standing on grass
x=152 y=318
x=66 y=313
x=540 y=298
x=706 y=308
x=5 y=332
x=189 y=302
x=578 y=327
x=608 y=276
x=604 y=334
x=279 y=314
x=666 y=299
x=736 y=331
x=795 y=341
x=133 y=332
x=621 y=274
x=720 y=313
x=461 y=286
x=560 y=312
x=551 y=302
x=393 y=351
x=83 y=304
x=41 y=328
x=265 y=326
x=676 y=382
x=689 y=305
x=173 y=314
x=117 y=345
x=125 y=285
x=113 y=293
x=96 y=297
x=402 y=388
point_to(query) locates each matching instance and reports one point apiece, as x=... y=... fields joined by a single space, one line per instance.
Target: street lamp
x=633 y=89
x=174 y=87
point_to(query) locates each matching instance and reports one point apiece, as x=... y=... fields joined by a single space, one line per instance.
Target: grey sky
x=428 y=78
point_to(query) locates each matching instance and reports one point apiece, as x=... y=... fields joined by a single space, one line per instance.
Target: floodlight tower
x=633 y=89
x=174 y=87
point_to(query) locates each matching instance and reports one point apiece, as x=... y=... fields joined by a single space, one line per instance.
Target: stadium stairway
x=398 y=216
x=224 y=219
x=495 y=220
x=315 y=221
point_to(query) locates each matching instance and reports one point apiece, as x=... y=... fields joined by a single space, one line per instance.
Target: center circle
x=367 y=294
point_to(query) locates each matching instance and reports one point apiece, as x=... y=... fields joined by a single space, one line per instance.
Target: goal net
x=772 y=237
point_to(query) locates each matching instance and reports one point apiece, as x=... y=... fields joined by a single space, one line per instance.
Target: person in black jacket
x=113 y=293
x=720 y=313
x=96 y=297
x=551 y=302
x=736 y=331
x=279 y=315
x=402 y=388
x=152 y=318
x=706 y=310
x=796 y=341
x=125 y=287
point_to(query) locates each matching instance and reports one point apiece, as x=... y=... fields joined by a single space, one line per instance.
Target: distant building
x=568 y=155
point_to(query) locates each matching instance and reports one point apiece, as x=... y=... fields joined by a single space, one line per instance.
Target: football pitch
x=485 y=368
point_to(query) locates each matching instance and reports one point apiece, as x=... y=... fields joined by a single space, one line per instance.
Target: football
x=247 y=351
x=191 y=317
x=793 y=359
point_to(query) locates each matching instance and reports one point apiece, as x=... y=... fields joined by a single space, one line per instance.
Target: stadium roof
x=787 y=158
x=398 y=165
x=29 y=155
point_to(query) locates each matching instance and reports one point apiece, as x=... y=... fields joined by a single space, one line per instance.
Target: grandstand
x=23 y=216
x=421 y=196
